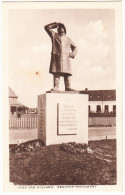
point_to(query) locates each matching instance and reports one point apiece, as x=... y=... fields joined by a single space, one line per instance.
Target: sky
x=29 y=50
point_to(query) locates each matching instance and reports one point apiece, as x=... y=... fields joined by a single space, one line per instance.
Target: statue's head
x=61 y=29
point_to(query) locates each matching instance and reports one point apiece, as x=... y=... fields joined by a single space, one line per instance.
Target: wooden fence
x=22 y=123
x=18 y=123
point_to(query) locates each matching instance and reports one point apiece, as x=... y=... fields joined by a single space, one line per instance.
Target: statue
x=62 y=50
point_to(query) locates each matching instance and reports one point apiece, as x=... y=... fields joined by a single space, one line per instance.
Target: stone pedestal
x=63 y=117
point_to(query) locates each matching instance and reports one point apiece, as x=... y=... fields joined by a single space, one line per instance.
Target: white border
x=70 y=5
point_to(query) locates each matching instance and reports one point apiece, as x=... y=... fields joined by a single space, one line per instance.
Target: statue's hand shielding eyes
x=71 y=55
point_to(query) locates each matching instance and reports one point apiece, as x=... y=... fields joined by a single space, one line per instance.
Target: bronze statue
x=62 y=50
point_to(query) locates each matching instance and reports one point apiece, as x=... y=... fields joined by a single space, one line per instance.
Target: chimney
x=86 y=89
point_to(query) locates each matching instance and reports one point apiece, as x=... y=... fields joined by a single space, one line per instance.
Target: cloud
x=95 y=31
x=95 y=65
x=93 y=43
x=40 y=48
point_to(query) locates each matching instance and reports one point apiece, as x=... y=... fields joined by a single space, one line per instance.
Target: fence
x=23 y=123
x=102 y=121
x=16 y=123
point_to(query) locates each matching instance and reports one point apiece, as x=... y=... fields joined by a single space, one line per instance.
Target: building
x=16 y=108
x=32 y=111
x=101 y=101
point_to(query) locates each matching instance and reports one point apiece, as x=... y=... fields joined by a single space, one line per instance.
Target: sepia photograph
x=62 y=96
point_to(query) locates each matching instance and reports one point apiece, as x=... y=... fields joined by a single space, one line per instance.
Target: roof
x=101 y=95
x=13 y=99
x=12 y=94
x=14 y=102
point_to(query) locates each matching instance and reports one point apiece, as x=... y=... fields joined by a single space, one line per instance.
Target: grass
x=54 y=165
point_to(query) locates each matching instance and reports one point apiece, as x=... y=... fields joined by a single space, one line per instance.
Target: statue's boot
x=56 y=79
x=67 y=80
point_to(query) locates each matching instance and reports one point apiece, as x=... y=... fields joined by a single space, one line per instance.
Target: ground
x=59 y=165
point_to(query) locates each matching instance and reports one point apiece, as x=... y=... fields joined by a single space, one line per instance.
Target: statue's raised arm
x=51 y=26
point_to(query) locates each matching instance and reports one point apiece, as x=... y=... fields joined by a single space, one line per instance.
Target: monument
x=62 y=115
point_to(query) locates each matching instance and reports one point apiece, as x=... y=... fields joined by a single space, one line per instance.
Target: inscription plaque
x=67 y=119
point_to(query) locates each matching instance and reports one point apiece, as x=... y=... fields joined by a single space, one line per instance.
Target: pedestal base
x=63 y=118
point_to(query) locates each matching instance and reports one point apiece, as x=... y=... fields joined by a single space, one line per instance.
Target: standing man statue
x=62 y=50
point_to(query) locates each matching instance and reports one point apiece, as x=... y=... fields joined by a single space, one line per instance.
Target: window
x=98 y=109
x=106 y=108
x=114 y=108
x=13 y=109
x=89 y=109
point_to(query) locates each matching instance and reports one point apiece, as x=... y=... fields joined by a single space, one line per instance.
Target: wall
x=102 y=121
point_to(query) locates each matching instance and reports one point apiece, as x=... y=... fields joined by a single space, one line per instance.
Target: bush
x=27 y=146
x=75 y=148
